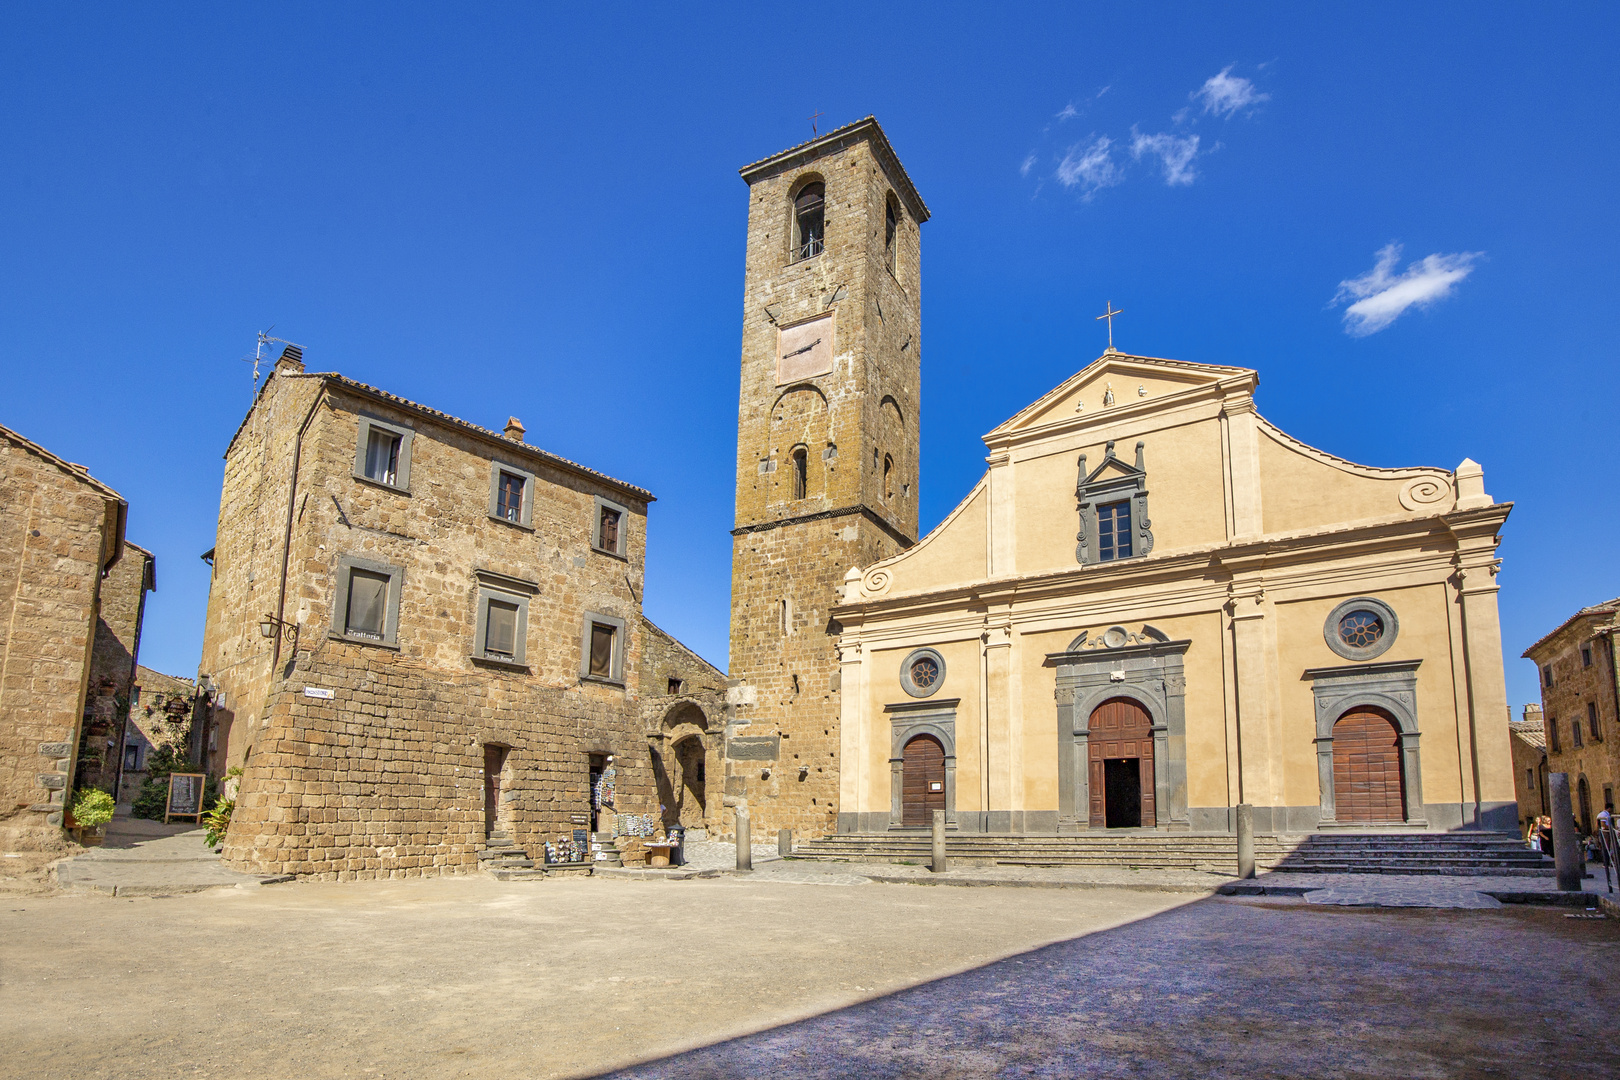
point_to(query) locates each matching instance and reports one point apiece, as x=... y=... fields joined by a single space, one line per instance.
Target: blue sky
x=1403 y=215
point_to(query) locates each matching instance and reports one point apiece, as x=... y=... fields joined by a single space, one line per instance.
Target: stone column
x=784 y=843
x=1258 y=745
x=1245 y=840
x=938 y=864
x=1487 y=695
x=745 y=849
x=1567 y=854
x=998 y=768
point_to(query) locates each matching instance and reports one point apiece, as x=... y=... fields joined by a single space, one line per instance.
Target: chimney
x=514 y=429
x=292 y=359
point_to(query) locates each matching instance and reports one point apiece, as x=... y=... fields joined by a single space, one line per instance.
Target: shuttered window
x=509 y=498
x=602 y=651
x=368 y=604
x=500 y=629
x=610 y=529
x=382 y=456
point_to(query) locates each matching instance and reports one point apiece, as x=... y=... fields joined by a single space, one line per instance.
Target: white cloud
x=1029 y=163
x=1224 y=94
x=1090 y=167
x=1175 y=153
x=1381 y=296
x=1069 y=112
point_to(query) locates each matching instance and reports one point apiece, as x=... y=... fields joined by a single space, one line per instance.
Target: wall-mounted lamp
x=271 y=627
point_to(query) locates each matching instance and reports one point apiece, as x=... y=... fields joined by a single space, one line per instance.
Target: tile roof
x=1530 y=731
x=1606 y=608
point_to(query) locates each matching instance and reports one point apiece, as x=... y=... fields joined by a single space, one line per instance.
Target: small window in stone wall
x=1530 y=779
x=1546 y=675
x=675 y=685
x=602 y=646
x=608 y=527
x=382 y=453
x=511 y=494
x=1552 y=735
x=1586 y=656
x=1575 y=734
x=1592 y=721
x=601 y=651
x=365 y=604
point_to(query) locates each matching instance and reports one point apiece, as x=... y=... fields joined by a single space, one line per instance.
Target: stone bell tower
x=826 y=449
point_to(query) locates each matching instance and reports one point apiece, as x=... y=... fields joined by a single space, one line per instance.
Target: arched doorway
x=680 y=755
x=691 y=776
x=1121 y=753
x=923 y=785
x=1367 y=778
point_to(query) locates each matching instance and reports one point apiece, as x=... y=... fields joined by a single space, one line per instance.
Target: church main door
x=1121 y=765
x=923 y=790
x=1367 y=768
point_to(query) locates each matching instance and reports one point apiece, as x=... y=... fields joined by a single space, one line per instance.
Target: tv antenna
x=258 y=356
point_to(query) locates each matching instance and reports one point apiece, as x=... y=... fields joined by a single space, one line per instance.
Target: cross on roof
x=1109 y=313
x=813 y=118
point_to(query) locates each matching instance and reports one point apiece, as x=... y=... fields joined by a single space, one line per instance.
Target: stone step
x=502 y=853
x=516 y=874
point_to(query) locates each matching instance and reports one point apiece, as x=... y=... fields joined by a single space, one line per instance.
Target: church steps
x=1381 y=853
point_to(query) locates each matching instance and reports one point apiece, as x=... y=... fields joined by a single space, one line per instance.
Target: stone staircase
x=1468 y=854
x=505 y=861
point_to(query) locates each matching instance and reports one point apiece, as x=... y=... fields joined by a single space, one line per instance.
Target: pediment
x=1115 y=381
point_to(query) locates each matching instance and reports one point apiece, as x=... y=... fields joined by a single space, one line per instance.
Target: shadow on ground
x=1232 y=987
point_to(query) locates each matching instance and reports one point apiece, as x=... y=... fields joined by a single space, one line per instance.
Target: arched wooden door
x=1367 y=768
x=1121 y=765
x=923 y=788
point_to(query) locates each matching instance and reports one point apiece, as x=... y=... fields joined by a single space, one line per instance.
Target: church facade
x=1155 y=606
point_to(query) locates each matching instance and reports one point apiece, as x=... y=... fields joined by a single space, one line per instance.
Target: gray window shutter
x=368 y=596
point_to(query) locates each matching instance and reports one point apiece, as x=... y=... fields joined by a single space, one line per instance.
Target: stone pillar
x=1492 y=766
x=1566 y=849
x=784 y=843
x=745 y=850
x=1257 y=738
x=1245 y=840
x=938 y=865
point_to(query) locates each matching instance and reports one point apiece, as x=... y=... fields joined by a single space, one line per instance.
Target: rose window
x=924 y=672
x=1361 y=629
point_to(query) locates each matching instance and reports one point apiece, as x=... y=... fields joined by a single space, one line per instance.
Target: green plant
x=92 y=808
x=153 y=798
x=218 y=820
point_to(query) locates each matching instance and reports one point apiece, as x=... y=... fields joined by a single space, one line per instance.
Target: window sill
x=610 y=553
x=807 y=258
x=393 y=645
x=498 y=662
x=602 y=680
x=369 y=482
x=513 y=524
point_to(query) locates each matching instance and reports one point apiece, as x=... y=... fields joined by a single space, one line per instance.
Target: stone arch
x=896 y=455
x=802 y=188
x=800 y=419
x=682 y=765
x=1389 y=688
x=931 y=718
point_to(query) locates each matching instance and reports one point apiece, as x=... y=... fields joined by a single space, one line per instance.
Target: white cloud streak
x=1224 y=94
x=1029 y=163
x=1380 y=296
x=1069 y=112
x=1090 y=167
x=1174 y=152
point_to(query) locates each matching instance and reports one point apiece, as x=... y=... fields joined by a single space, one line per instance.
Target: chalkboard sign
x=582 y=838
x=185 y=796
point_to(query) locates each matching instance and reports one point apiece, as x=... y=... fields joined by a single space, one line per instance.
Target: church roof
x=822 y=144
x=1530 y=731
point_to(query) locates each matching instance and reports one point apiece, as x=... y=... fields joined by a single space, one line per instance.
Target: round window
x=1361 y=628
x=922 y=672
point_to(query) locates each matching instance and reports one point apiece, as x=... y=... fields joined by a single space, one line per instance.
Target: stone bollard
x=745 y=849
x=1245 y=840
x=1567 y=852
x=938 y=865
x=784 y=843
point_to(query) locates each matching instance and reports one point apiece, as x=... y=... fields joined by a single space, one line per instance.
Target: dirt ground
x=721 y=978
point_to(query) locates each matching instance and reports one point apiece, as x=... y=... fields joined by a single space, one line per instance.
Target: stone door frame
x=1392 y=689
x=906 y=722
x=1146 y=668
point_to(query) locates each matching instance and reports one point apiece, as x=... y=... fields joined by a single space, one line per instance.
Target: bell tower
x=826 y=449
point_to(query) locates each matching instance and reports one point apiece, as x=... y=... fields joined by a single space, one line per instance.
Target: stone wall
x=685 y=716
x=159 y=716
x=112 y=667
x=1529 y=766
x=61 y=527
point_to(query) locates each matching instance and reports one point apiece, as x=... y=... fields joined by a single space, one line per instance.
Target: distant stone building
x=1529 y=738
x=160 y=716
x=1580 y=703
x=61 y=543
x=422 y=632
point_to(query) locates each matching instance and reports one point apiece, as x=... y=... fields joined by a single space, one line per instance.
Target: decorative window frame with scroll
x=1113 y=481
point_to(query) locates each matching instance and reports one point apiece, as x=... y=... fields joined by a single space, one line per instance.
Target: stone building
x=61 y=539
x=113 y=665
x=160 y=714
x=1580 y=701
x=420 y=633
x=1156 y=606
x=1529 y=738
x=826 y=449
x=684 y=714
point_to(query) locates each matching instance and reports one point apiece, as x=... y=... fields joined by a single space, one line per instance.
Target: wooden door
x=1367 y=768
x=1120 y=729
x=923 y=790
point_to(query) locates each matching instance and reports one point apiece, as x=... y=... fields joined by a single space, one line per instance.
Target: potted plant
x=91 y=809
